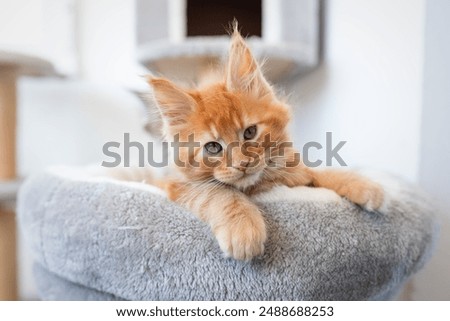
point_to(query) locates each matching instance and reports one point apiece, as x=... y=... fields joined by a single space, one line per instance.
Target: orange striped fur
x=221 y=112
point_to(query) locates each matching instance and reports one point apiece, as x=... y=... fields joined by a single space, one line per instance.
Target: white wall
x=45 y=28
x=369 y=90
x=434 y=281
x=107 y=42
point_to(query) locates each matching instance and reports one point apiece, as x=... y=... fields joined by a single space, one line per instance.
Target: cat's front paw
x=243 y=236
x=367 y=194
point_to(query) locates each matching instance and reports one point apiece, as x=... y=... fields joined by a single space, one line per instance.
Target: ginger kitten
x=241 y=128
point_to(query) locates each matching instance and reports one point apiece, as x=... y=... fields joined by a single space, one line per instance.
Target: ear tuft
x=234 y=27
x=243 y=72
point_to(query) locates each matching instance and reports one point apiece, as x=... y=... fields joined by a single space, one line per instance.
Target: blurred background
x=375 y=73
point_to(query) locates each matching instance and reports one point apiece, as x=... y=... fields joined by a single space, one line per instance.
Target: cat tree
x=13 y=65
x=180 y=38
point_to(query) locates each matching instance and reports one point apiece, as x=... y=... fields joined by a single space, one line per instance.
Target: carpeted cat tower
x=101 y=239
x=180 y=39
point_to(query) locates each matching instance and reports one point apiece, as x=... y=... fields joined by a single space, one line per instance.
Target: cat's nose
x=243 y=165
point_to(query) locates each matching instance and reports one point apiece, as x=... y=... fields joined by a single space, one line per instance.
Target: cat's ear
x=174 y=103
x=243 y=72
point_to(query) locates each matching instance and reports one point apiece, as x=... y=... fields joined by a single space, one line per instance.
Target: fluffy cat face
x=233 y=122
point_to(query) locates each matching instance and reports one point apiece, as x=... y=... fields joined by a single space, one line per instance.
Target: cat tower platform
x=188 y=60
x=180 y=39
x=99 y=239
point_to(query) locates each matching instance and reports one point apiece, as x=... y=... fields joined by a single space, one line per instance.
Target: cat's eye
x=250 y=132
x=213 y=148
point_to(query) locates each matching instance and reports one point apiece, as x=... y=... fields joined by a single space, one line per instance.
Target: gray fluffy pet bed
x=100 y=239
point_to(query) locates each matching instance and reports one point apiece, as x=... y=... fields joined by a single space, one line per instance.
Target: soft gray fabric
x=52 y=287
x=98 y=239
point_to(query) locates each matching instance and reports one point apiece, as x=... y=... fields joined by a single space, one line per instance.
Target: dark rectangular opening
x=213 y=17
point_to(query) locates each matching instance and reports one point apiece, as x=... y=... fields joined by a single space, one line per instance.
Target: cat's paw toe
x=369 y=197
x=244 y=239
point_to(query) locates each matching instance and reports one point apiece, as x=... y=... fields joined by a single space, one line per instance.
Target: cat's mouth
x=248 y=179
x=240 y=179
